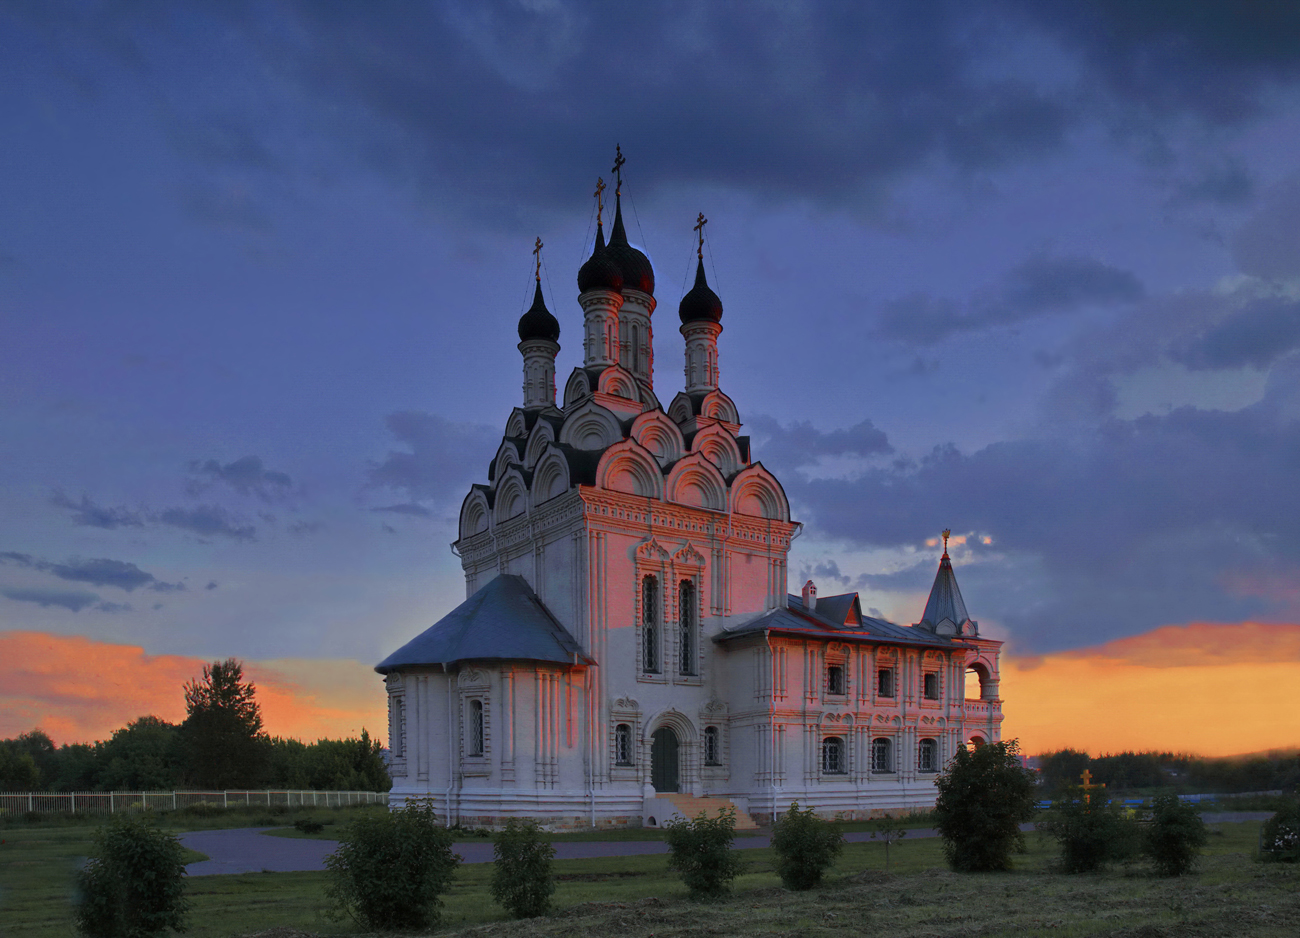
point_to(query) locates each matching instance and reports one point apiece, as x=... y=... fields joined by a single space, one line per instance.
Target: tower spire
x=538 y=335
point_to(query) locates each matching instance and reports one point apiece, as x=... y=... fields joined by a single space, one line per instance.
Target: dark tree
x=221 y=738
x=983 y=799
x=18 y=770
x=141 y=756
x=1060 y=770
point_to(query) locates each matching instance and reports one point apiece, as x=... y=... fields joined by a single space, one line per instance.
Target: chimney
x=810 y=596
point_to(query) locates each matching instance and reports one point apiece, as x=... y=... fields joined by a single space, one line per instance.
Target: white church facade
x=628 y=650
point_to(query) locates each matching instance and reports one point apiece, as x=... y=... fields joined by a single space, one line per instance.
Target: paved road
x=247 y=850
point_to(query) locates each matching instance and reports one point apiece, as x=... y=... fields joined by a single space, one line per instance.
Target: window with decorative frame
x=650 y=624
x=623 y=744
x=688 y=628
x=398 y=742
x=712 y=746
x=930 y=685
x=833 y=756
x=882 y=756
x=885 y=682
x=835 y=679
x=927 y=755
x=476 y=736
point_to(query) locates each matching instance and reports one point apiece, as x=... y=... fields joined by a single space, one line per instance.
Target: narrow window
x=686 y=625
x=885 y=682
x=476 y=727
x=623 y=744
x=399 y=727
x=835 y=679
x=650 y=625
x=881 y=757
x=931 y=688
x=833 y=756
x=711 y=753
x=927 y=756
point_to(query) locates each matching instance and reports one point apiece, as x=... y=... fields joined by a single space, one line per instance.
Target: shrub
x=983 y=798
x=805 y=847
x=308 y=825
x=1279 y=839
x=134 y=885
x=1091 y=829
x=1175 y=836
x=391 y=869
x=521 y=875
x=700 y=849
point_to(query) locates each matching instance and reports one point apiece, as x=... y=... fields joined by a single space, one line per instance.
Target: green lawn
x=635 y=897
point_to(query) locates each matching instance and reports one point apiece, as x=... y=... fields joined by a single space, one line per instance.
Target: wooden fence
x=15 y=803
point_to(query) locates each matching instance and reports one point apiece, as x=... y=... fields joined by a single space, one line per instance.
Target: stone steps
x=690 y=806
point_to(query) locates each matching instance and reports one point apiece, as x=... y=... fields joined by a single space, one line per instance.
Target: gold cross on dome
x=618 y=168
x=699 y=226
x=537 y=253
x=600 y=202
x=947 y=532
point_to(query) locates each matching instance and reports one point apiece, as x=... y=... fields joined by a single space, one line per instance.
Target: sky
x=1027 y=271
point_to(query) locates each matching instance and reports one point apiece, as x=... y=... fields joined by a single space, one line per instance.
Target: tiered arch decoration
x=512 y=495
x=756 y=492
x=681 y=409
x=551 y=477
x=719 y=447
x=591 y=427
x=629 y=467
x=576 y=388
x=719 y=407
x=659 y=435
x=542 y=436
x=696 y=482
x=475 y=513
x=507 y=456
x=618 y=382
x=517 y=425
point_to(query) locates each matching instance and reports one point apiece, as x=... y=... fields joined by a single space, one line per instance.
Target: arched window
x=833 y=761
x=882 y=759
x=686 y=626
x=650 y=625
x=927 y=756
x=712 y=752
x=623 y=744
x=476 y=728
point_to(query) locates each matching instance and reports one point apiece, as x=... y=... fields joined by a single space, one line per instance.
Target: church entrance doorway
x=663 y=760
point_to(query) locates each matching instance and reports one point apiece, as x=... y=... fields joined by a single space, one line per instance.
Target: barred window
x=885 y=682
x=927 y=756
x=623 y=744
x=835 y=679
x=476 y=727
x=882 y=759
x=833 y=756
x=712 y=754
x=930 y=686
x=650 y=625
x=686 y=625
x=398 y=742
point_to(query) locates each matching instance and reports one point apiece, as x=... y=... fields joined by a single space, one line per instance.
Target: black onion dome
x=637 y=272
x=538 y=323
x=600 y=273
x=701 y=304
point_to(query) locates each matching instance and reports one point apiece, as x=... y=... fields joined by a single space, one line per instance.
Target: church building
x=628 y=651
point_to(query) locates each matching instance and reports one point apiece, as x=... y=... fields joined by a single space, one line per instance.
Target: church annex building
x=628 y=651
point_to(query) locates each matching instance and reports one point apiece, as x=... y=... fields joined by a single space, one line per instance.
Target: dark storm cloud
x=442 y=457
x=1039 y=286
x=406 y=508
x=103 y=572
x=1227 y=184
x=247 y=476
x=72 y=600
x=208 y=521
x=88 y=513
x=13 y=557
x=801 y=444
x=118 y=607
x=1268 y=243
x=1260 y=333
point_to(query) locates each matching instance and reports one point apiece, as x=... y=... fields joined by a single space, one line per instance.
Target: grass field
x=637 y=897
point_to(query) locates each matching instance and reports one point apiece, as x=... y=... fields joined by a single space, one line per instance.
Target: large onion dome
x=600 y=272
x=701 y=304
x=637 y=272
x=538 y=323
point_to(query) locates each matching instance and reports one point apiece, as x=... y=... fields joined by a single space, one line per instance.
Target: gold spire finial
x=947 y=532
x=699 y=226
x=618 y=168
x=600 y=202
x=537 y=253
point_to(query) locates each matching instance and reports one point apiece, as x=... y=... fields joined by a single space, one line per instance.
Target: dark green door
x=663 y=760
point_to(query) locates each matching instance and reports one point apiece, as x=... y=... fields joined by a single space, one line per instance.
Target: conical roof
x=538 y=323
x=701 y=304
x=600 y=272
x=945 y=600
x=637 y=272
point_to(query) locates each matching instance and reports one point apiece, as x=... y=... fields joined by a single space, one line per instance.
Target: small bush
x=1174 y=837
x=308 y=825
x=521 y=875
x=391 y=869
x=203 y=809
x=700 y=849
x=1091 y=829
x=984 y=797
x=805 y=847
x=134 y=885
x=1279 y=840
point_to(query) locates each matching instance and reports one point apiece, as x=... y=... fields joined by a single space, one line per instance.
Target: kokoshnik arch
x=628 y=648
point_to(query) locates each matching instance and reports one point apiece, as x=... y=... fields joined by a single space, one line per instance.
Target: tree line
x=219 y=745
x=1146 y=772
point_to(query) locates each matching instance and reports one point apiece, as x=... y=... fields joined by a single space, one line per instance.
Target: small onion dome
x=600 y=273
x=701 y=304
x=637 y=272
x=538 y=323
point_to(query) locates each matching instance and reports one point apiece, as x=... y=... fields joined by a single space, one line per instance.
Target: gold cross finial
x=600 y=202
x=699 y=226
x=1087 y=785
x=618 y=168
x=947 y=532
x=537 y=253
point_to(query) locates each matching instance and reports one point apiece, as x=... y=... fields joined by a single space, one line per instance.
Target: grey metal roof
x=945 y=600
x=503 y=621
x=795 y=620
